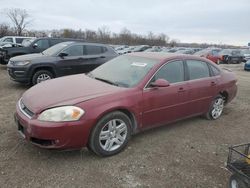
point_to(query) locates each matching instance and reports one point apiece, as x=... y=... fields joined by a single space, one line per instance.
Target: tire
x=216 y=108
x=236 y=181
x=40 y=76
x=115 y=128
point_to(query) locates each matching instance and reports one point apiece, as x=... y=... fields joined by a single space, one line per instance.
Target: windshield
x=124 y=71
x=54 y=50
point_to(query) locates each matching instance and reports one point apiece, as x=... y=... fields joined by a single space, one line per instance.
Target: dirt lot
x=191 y=153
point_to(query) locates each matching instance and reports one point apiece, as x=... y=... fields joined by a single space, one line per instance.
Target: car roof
x=161 y=56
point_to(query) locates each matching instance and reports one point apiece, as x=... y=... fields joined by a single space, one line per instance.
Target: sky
x=199 y=21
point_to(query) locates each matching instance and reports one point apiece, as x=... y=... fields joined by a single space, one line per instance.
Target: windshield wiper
x=107 y=81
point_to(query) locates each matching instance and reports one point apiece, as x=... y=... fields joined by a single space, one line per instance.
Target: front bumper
x=3 y=58
x=52 y=135
x=18 y=74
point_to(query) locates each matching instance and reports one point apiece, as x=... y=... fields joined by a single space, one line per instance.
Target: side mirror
x=35 y=45
x=62 y=54
x=160 y=83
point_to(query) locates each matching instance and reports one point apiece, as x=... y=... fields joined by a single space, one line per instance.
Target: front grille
x=25 y=110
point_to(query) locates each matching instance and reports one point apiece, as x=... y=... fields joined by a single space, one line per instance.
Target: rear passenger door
x=202 y=86
x=94 y=56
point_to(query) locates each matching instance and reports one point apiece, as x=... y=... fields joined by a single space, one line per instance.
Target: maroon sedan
x=124 y=96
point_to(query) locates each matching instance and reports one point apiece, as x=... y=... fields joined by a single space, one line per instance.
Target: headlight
x=61 y=114
x=21 y=63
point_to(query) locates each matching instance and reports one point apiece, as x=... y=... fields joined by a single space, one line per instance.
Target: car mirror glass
x=62 y=54
x=35 y=45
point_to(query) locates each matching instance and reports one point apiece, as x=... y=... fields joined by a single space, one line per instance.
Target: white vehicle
x=10 y=41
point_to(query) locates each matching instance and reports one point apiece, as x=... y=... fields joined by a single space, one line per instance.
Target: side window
x=93 y=50
x=197 y=69
x=215 y=70
x=74 y=50
x=43 y=44
x=8 y=40
x=19 y=40
x=55 y=41
x=172 y=72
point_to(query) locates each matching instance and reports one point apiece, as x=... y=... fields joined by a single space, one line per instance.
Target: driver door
x=166 y=104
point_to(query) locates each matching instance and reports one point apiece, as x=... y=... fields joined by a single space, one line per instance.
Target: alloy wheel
x=113 y=135
x=217 y=108
x=43 y=77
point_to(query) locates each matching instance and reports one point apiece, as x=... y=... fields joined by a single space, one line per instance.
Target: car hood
x=28 y=57
x=68 y=90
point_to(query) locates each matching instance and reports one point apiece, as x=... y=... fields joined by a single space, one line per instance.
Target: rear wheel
x=111 y=134
x=41 y=76
x=216 y=108
x=236 y=182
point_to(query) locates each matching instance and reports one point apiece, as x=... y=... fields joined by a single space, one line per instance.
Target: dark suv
x=30 y=46
x=62 y=59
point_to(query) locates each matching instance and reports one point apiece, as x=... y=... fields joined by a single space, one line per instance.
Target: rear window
x=19 y=40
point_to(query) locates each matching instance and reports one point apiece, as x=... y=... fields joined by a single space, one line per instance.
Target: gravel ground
x=190 y=153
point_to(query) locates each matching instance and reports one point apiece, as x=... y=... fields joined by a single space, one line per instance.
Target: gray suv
x=63 y=59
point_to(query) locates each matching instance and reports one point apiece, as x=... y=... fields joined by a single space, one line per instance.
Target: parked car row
x=217 y=55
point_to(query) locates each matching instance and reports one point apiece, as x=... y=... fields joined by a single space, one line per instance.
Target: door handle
x=213 y=83
x=181 y=89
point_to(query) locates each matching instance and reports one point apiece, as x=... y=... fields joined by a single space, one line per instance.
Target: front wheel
x=236 y=182
x=216 y=108
x=111 y=134
x=41 y=76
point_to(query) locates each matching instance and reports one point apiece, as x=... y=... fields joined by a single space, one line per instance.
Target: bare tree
x=19 y=18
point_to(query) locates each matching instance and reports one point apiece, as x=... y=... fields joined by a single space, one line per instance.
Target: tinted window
x=197 y=69
x=74 y=50
x=215 y=70
x=172 y=72
x=55 y=41
x=8 y=40
x=43 y=44
x=93 y=50
x=19 y=40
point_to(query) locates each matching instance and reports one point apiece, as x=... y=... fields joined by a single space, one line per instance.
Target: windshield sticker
x=137 y=64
